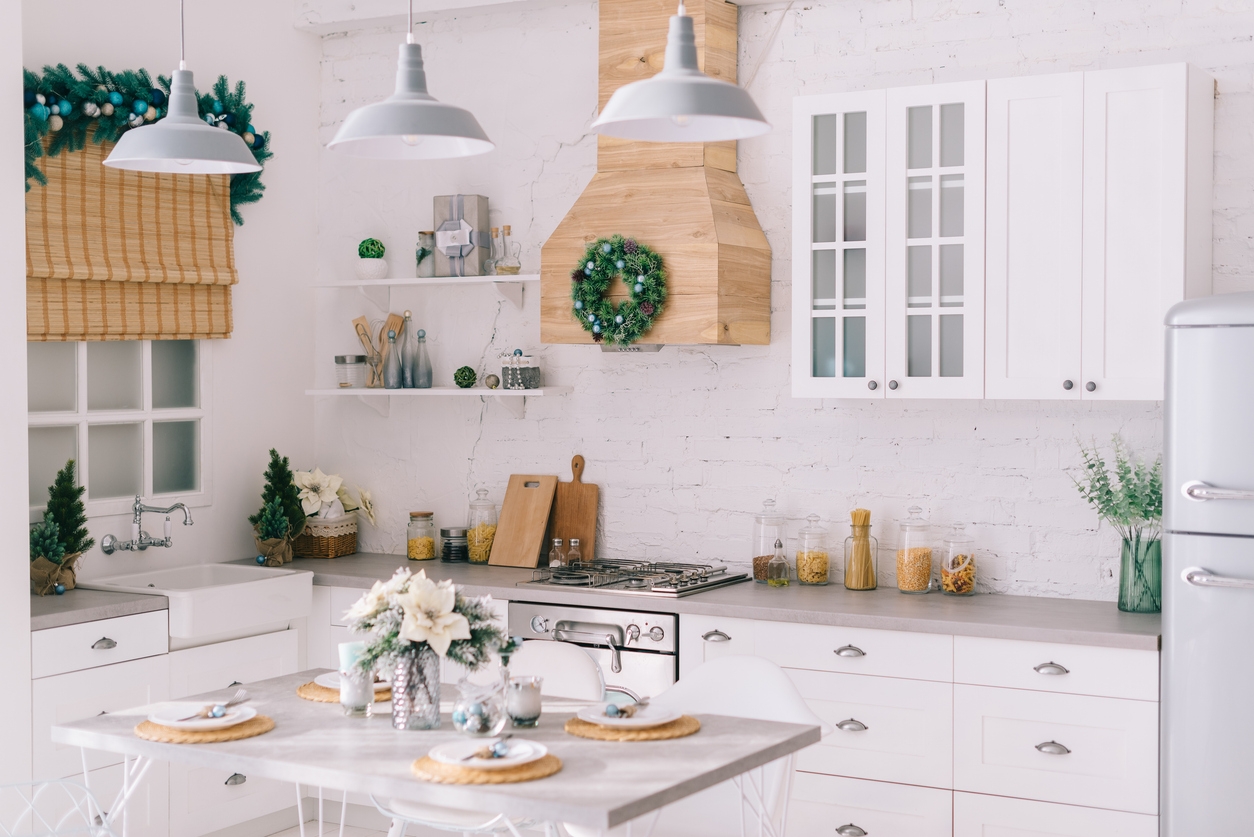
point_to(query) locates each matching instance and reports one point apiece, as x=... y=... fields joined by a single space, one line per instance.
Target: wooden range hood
x=684 y=200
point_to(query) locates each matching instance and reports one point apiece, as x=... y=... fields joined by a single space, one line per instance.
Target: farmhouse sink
x=219 y=600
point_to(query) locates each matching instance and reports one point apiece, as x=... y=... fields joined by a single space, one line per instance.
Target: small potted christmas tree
x=281 y=518
x=57 y=543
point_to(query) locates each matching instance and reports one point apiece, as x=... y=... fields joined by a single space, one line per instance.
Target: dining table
x=602 y=784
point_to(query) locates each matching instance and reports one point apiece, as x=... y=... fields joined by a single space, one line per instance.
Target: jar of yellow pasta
x=482 y=529
x=421 y=536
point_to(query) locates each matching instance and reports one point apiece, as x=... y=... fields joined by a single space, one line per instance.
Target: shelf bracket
x=516 y=406
x=513 y=291
x=381 y=404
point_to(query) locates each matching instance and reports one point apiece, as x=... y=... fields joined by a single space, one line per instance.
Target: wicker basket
x=327 y=538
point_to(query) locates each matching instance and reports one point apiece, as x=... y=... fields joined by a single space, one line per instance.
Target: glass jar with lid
x=957 y=566
x=812 y=556
x=768 y=527
x=420 y=536
x=350 y=371
x=455 y=547
x=482 y=530
x=914 y=557
x=861 y=552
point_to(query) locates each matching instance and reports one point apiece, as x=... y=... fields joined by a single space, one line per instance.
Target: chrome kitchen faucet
x=140 y=539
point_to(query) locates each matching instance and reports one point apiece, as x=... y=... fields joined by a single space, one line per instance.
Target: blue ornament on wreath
x=158 y=96
x=618 y=259
x=115 y=98
x=28 y=97
x=217 y=106
x=139 y=106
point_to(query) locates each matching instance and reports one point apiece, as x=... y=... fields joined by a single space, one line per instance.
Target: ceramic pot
x=372 y=269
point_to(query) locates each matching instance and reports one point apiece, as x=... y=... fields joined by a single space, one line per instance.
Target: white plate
x=167 y=715
x=331 y=680
x=644 y=719
x=521 y=751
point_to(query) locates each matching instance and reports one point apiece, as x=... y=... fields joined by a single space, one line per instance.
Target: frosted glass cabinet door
x=1035 y=180
x=1147 y=241
x=838 y=246
x=934 y=241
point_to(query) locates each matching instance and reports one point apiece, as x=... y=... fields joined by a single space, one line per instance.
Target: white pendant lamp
x=681 y=103
x=180 y=142
x=410 y=124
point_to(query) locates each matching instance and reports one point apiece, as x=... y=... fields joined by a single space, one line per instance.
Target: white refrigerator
x=1208 y=570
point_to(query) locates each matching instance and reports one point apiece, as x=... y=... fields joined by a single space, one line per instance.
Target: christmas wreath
x=69 y=105
x=641 y=270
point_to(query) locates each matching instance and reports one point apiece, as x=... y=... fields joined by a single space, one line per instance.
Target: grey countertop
x=76 y=606
x=1040 y=619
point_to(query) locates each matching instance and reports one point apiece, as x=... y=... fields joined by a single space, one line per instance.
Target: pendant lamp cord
x=409 y=36
x=182 y=36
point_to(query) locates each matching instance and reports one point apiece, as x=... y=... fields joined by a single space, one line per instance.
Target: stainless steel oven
x=637 y=651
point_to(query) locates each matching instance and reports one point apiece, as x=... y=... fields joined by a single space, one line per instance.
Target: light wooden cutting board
x=524 y=521
x=575 y=511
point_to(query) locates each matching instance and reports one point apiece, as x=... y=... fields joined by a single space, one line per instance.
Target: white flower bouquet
x=327 y=497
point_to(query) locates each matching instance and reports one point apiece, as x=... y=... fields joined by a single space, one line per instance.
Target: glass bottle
x=573 y=556
x=556 y=559
x=482 y=527
x=489 y=266
x=392 y=377
x=509 y=263
x=425 y=254
x=777 y=569
x=768 y=527
x=420 y=536
x=812 y=557
x=957 y=565
x=409 y=348
x=861 y=553
x=422 y=361
x=914 y=558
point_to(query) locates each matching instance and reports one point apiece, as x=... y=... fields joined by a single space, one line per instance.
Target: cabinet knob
x=1090 y=386
x=235 y=779
x=1067 y=384
x=872 y=385
x=853 y=725
x=892 y=384
x=1052 y=748
x=104 y=644
x=715 y=636
x=851 y=830
x=1050 y=668
x=849 y=651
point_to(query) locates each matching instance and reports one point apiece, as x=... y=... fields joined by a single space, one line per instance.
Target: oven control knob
x=539 y=624
x=656 y=633
x=633 y=633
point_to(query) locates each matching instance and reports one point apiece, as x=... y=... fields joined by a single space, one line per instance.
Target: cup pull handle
x=715 y=636
x=851 y=830
x=1050 y=668
x=852 y=725
x=235 y=683
x=850 y=651
x=104 y=644
x=235 y=779
x=1053 y=748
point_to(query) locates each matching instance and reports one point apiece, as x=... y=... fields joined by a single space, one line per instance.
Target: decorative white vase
x=372 y=269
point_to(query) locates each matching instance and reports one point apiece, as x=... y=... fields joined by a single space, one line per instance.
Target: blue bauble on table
x=261 y=559
x=115 y=98
x=59 y=589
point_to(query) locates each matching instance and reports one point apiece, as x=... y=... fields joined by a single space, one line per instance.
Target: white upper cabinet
x=934 y=242
x=838 y=246
x=1098 y=220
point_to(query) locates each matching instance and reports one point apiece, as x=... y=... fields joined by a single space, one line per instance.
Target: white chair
x=739 y=687
x=57 y=808
x=568 y=672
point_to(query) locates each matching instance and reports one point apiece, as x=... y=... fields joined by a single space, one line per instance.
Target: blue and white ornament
x=620 y=264
x=606 y=248
x=596 y=329
x=619 y=319
x=579 y=305
x=41 y=98
x=55 y=109
x=91 y=110
x=261 y=559
x=134 y=120
x=588 y=267
x=59 y=589
x=592 y=318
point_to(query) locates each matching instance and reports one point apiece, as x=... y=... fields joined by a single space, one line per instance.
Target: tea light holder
x=522 y=701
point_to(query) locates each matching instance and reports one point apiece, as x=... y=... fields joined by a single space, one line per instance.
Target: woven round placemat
x=679 y=728
x=429 y=770
x=321 y=694
x=258 y=725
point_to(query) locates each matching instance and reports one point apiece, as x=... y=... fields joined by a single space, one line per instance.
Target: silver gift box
x=463 y=244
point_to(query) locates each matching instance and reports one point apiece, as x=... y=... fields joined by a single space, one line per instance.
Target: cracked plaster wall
x=687 y=443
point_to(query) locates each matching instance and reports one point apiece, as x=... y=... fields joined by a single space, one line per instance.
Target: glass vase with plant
x=1129 y=498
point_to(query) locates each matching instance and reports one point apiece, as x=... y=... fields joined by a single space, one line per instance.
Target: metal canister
x=456 y=545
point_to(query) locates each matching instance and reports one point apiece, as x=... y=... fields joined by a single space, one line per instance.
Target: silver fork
x=239 y=697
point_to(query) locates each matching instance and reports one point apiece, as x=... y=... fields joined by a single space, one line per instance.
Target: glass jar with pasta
x=420 y=536
x=482 y=529
x=812 y=555
x=957 y=569
x=914 y=557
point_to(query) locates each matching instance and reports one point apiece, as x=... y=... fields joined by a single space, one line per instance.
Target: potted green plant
x=370 y=263
x=281 y=519
x=61 y=538
x=1129 y=498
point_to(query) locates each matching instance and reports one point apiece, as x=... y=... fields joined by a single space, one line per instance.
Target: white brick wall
x=687 y=443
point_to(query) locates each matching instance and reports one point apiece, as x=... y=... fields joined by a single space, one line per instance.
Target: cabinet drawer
x=205 y=799
x=1049 y=667
x=100 y=643
x=822 y=804
x=1113 y=747
x=224 y=664
x=705 y=638
x=908 y=736
x=86 y=694
x=857 y=650
x=995 y=816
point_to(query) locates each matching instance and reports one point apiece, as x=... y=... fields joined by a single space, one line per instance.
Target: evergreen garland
x=45 y=540
x=65 y=507
x=281 y=488
x=641 y=270
x=70 y=104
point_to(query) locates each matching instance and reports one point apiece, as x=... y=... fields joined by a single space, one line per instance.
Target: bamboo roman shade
x=124 y=255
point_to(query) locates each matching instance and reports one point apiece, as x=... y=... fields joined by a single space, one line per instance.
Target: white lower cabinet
x=705 y=638
x=976 y=815
x=825 y=805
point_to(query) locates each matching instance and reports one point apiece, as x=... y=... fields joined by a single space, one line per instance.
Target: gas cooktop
x=663 y=578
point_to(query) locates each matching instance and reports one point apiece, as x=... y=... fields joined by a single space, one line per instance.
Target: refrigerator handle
x=1200 y=491
x=1199 y=577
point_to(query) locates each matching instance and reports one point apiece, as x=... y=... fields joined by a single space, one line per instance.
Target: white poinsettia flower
x=366 y=505
x=346 y=498
x=429 y=615
x=399 y=579
x=316 y=489
x=370 y=604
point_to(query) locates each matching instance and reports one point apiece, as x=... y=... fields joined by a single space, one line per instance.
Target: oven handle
x=595 y=633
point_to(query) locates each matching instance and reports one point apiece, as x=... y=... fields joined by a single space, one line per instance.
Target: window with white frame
x=131 y=414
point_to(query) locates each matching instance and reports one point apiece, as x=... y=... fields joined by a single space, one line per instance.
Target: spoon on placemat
x=239 y=697
x=489 y=752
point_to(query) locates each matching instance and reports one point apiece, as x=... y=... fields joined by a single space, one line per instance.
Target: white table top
x=602 y=783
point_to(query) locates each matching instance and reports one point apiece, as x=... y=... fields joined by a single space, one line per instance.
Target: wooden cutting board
x=575 y=511
x=524 y=521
